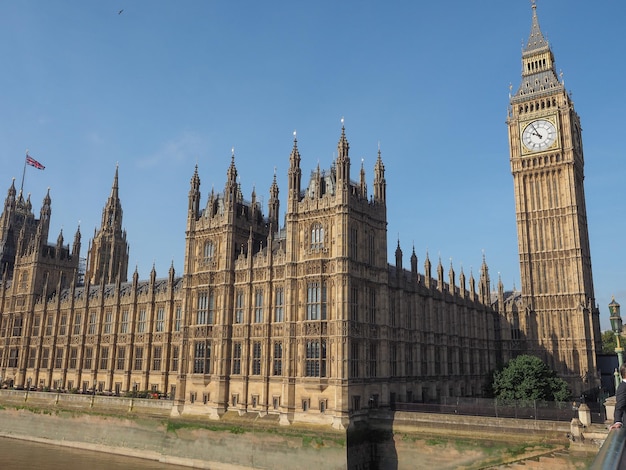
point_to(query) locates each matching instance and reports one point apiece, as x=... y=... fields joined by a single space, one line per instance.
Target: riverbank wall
x=144 y=428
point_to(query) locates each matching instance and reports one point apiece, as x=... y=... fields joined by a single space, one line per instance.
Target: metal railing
x=612 y=455
x=532 y=409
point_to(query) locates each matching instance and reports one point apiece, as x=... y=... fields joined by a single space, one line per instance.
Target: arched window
x=317 y=237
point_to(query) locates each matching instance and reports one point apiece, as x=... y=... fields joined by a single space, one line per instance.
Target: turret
x=414 y=265
x=294 y=175
x=194 y=195
x=398 y=260
x=274 y=204
x=343 y=159
x=362 y=183
x=380 y=185
x=76 y=245
x=44 y=215
x=231 y=189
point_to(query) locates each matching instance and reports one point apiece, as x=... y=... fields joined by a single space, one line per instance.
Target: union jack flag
x=32 y=162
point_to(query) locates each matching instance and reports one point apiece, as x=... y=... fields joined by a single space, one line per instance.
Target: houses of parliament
x=306 y=319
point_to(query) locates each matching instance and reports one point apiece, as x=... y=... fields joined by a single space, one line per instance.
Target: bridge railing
x=612 y=455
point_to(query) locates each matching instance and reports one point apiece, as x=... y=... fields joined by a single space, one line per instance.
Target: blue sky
x=165 y=85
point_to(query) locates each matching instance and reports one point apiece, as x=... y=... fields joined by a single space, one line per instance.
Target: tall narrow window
x=32 y=356
x=256 y=358
x=202 y=357
x=49 y=325
x=178 y=319
x=58 y=358
x=108 y=320
x=353 y=243
x=202 y=308
x=174 y=359
x=156 y=358
x=315 y=364
x=372 y=306
x=354 y=304
x=141 y=323
x=258 y=306
x=279 y=300
x=239 y=304
x=317 y=237
x=393 y=359
x=316 y=301
x=77 y=321
x=159 y=325
x=373 y=359
x=237 y=358
x=138 y=358
x=124 y=322
x=36 y=323
x=211 y=317
x=45 y=357
x=17 y=325
x=63 y=325
x=87 y=360
x=354 y=360
x=209 y=251
x=278 y=358
x=91 y=330
x=121 y=357
x=104 y=357
x=13 y=355
x=73 y=358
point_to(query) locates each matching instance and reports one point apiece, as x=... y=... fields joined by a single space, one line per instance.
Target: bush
x=529 y=378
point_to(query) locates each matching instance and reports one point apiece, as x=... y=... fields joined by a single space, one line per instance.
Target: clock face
x=539 y=135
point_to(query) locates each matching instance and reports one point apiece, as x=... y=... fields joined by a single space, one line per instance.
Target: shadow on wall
x=370 y=445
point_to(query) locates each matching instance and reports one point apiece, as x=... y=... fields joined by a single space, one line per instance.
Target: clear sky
x=164 y=85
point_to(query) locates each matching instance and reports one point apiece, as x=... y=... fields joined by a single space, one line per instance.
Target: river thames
x=17 y=454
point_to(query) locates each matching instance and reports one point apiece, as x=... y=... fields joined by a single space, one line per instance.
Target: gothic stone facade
x=307 y=321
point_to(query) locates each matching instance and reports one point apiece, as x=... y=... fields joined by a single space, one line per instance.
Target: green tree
x=609 y=342
x=529 y=378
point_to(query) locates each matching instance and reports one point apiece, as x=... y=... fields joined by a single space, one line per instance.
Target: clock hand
x=536 y=131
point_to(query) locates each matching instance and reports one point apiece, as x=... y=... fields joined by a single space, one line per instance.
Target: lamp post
x=616 y=326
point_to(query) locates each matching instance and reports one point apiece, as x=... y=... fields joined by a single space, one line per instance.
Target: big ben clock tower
x=561 y=322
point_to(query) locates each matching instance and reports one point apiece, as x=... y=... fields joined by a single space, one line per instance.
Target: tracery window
x=315 y=364
x=278 y=358
x=279 y=300
x=256 y=358
x=237 y=358
x=258 y=306
x=317 y=237
x=316 y=301
x=239 y=303
x=209 y=251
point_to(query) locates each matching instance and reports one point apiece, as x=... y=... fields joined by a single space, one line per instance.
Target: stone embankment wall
x=144 y=428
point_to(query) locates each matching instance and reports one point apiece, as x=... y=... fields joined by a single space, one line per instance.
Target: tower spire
x=535 y=40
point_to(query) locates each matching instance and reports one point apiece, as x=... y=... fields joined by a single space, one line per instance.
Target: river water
x=18 y=455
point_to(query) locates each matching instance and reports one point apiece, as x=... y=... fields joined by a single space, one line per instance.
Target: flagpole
x=23 y=173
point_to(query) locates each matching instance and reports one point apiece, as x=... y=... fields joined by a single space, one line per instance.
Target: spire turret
x=108 y=255
x=295 y=173
x=343 y=159
x=194 y=194
x=274 y=204
x=380 y=185
x=398 y=259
